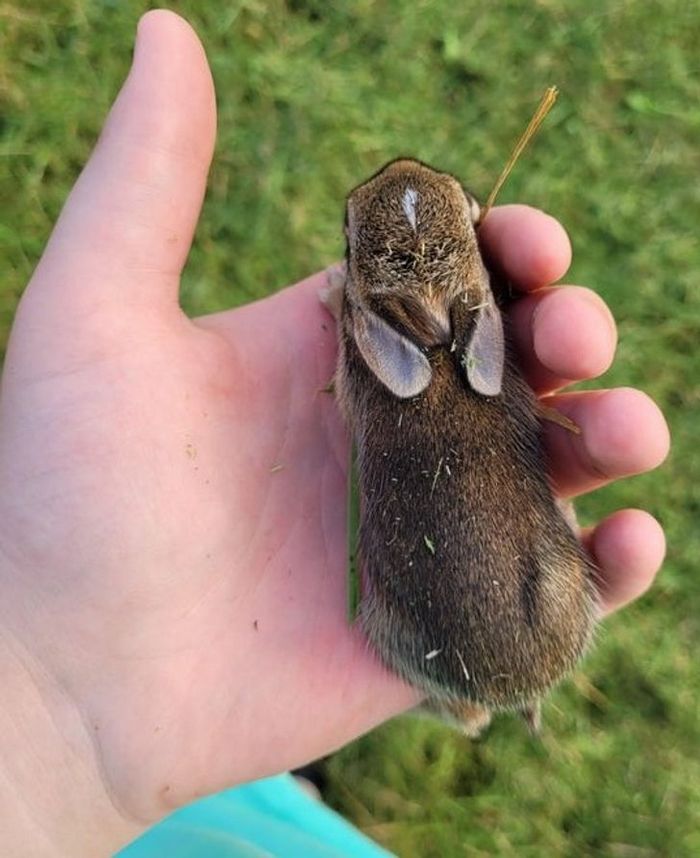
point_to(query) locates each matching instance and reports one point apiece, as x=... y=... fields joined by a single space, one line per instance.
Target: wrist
x=53 y=797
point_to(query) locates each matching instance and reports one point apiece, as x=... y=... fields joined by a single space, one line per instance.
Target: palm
x=207 y=458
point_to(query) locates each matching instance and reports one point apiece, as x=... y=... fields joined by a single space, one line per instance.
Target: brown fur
x=476 y=589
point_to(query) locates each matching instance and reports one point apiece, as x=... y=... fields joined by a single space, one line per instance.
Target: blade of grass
x=543 y=108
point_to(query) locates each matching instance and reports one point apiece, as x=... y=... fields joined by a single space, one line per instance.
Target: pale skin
x=172 y=603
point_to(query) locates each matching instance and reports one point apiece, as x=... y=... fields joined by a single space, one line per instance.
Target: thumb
x=126 y=229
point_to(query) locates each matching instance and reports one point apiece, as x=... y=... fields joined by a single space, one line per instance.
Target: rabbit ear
x=484 y=355
x=397 y=362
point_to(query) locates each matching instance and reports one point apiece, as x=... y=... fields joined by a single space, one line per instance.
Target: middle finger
x=562 y=334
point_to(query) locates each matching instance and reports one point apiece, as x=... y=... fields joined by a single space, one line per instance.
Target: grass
x=313 y=97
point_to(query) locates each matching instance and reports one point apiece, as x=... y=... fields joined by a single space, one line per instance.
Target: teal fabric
x=271 y=817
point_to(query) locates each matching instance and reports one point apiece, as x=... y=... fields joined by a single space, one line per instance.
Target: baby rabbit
x=475 y=588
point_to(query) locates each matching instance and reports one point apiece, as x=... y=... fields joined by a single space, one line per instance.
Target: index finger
x=529 y=247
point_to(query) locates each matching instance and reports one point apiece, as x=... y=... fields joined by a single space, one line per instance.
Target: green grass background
x=312 y=98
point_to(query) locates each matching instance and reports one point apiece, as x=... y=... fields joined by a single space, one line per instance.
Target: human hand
x=172 y=618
